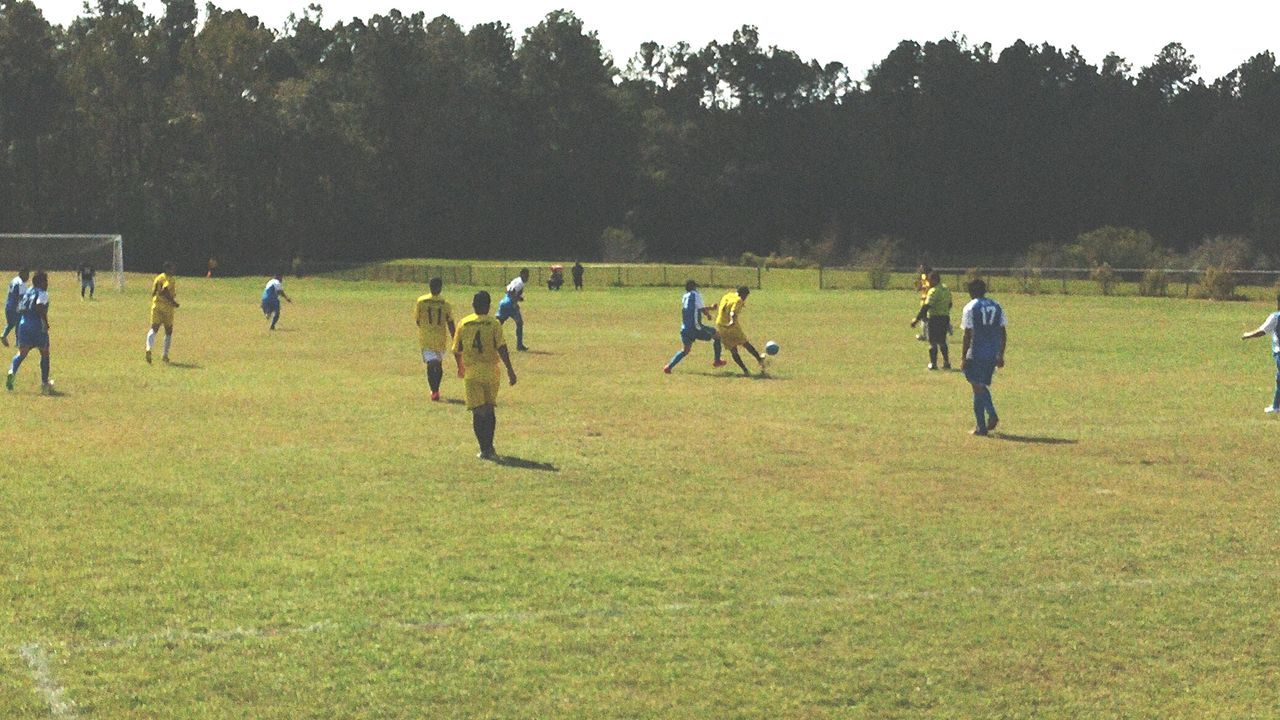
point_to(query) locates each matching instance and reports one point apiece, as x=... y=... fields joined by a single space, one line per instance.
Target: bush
x=1105 y=277
x=878 y=257
x=1217 y=283
x=879 y=277
x=621 y=245
x=1029 y=281
x=750 y=259
x=1154 y=283
x=1223 y=251
x=1116 y=247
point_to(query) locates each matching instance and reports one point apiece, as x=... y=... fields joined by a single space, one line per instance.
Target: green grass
x=281 y=526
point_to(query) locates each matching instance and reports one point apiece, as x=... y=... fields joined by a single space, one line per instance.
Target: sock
x=519 y=333
x=44 y=369
x=933 y=356
x=477 y=427
x=738 y=359
x=274 y=319
x=490 y=429
x=676 y=358
x=945 y=360
x=1275 y=403
x=979 y=405
x=17 y=361
x=435 y=373
x=151 y=339
x=716 y=347
x=7 y=329
x=168 y=340
x=987 y=402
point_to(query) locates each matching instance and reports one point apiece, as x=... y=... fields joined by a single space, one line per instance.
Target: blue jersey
x=986 y=320
x=691 y=311
x=271 y=293
x=16 y=290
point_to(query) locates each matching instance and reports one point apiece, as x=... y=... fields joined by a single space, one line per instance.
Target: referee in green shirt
x=936 y=311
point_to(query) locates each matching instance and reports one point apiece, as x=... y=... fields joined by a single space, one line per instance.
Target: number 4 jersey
x=985 y=318
x=478 y=339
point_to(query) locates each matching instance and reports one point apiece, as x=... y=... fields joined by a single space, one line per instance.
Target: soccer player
x=577 y=271
x=729 y=327
x=33 y=330
x=509 y=306
x=86 y=280
x=478 y=344
x=271 y=295
x=922 y=286
x=985 y=337
x=1271 y=327
x=692 y=310
x=434 y=318
x=936 y=313
x=17 y=288
x=164 y=300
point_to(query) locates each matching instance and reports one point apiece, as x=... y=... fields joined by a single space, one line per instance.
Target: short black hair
x=690 y=284
x=524 y=271
x=40 y=280
x=168 y=266
x=436 y=284
x=24 y=273
x=977 y=287
x=481 y=302
x=744 y=291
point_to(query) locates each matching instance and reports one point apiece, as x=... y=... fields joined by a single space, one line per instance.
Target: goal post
x=63 y=251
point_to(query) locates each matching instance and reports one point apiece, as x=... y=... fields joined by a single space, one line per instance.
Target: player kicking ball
x=478 y=344
x=271 y=295
x=985 y=338
x=729 y=327
x=33 y=331
x=164 y=300
x=509 y=306
x=434 y=318
x=692 y=310
x=1271 y=327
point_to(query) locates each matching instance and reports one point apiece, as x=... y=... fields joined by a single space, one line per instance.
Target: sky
x=859 y=34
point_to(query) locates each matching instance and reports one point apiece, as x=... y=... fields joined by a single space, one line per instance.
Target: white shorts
x=431 y=356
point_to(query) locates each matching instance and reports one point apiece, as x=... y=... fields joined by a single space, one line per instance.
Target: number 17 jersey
x=985 y=318
x=478 y=338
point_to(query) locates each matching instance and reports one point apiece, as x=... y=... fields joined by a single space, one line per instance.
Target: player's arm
x=920 y=316
x=457 y=351
x=286 y=297
x=1263 y=329
x=167 y=294
x=964 y=347
x=42 y=311
x=506 y=360
x=1004 y=339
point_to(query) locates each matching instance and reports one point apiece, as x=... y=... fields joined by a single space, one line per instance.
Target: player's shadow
x=535 y=352
x=453 y=401
x=185 y=366
x=522 y=464
x=1033 y=440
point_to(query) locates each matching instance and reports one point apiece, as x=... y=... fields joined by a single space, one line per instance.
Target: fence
x=1066 y=281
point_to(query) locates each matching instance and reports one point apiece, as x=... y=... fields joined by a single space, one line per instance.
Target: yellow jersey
x=730 y=306
x=478 y=339
x=433 y=316
x=924 y=286
x=163 y=282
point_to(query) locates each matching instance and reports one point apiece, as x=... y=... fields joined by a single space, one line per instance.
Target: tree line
x=400 y=135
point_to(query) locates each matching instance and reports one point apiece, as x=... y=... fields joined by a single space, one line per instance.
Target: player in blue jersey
x=17 y=287
x=1271 y=327
x=271 y=295
x=692 y=310
x=984 y=341
x=33 y=330
x=509 y=306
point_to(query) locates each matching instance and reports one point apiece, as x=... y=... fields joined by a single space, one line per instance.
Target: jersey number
x=477 y=344
x=434 y=316
x=988 y=315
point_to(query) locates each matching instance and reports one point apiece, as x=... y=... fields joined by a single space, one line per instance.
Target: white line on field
x=38 y=661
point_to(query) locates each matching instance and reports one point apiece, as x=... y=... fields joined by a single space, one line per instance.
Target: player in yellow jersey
x=729 y=326
x=434 y=318
x=164 y=300
x=922 y=286
x=478 y=345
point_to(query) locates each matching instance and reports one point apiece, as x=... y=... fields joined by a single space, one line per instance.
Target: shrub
x=878 y=257
x=1116 y=247
x=1223 y=251
x=1217 y=282
x=1029 y=281
x=621 y=245
x=1105 y=277
x=879 y=277
x=1154 y=283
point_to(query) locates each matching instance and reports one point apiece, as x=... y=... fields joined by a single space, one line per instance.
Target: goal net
x=62 y=252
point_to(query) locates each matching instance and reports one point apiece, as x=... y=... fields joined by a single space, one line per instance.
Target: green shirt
x=939 y=301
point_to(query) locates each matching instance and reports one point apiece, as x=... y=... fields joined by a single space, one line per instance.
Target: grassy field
x=279 y=525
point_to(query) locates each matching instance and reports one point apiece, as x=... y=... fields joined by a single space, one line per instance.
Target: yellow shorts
x=731 y=336
x=480 y=392
x=162 y=316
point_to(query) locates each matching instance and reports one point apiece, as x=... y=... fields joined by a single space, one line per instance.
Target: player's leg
x=10 y=322
x=275 y=316
x=979 y=408
x=168 y=341
x=17 y=363
x=151 y=339
x=435 y=373
x=675 y=359
x=1275 y=402
x=45 y=382
x=755 y=354
x=91 y=287
x=733 y=351
x=515 y=315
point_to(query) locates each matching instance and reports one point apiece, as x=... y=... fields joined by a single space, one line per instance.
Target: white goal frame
x=116 y=242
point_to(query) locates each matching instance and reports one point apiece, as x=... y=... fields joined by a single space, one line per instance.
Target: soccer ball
x=771 y=347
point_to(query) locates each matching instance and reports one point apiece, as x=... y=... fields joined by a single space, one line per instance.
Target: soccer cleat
x=522 y=348
x=165 y=359
x=978 y=433
x=991 y=424
x=4 y=341
x=666 y=369
x=8 y=383
x=719 y=363
x=435 y=397
x=946 y=366
x=486 y=455
x=1270 y=410
x=46 y=388
x=932 y=366
x=148 y=357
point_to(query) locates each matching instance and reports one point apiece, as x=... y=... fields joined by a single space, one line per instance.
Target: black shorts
x=939 y=325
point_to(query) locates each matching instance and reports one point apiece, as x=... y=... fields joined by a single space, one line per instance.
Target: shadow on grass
x=535 y=352
x=453 y=401
x=521 y=463
x=1033 y=440
x=185 y=365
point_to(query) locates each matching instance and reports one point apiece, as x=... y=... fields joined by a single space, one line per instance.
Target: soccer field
x=280 y=525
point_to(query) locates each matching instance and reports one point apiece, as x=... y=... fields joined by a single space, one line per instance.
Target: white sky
x=1220 y=35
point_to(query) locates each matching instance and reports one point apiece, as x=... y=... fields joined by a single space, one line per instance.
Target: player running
x=985 y=337
x=164 y=300
x=692 y=310
x=434 y=318
x=478 y=344
x=1271 y=327
x=509 y=306
x=17 y=288
x=271 y=295
x=936 y=313
x=729 y=327
x=33 y=331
